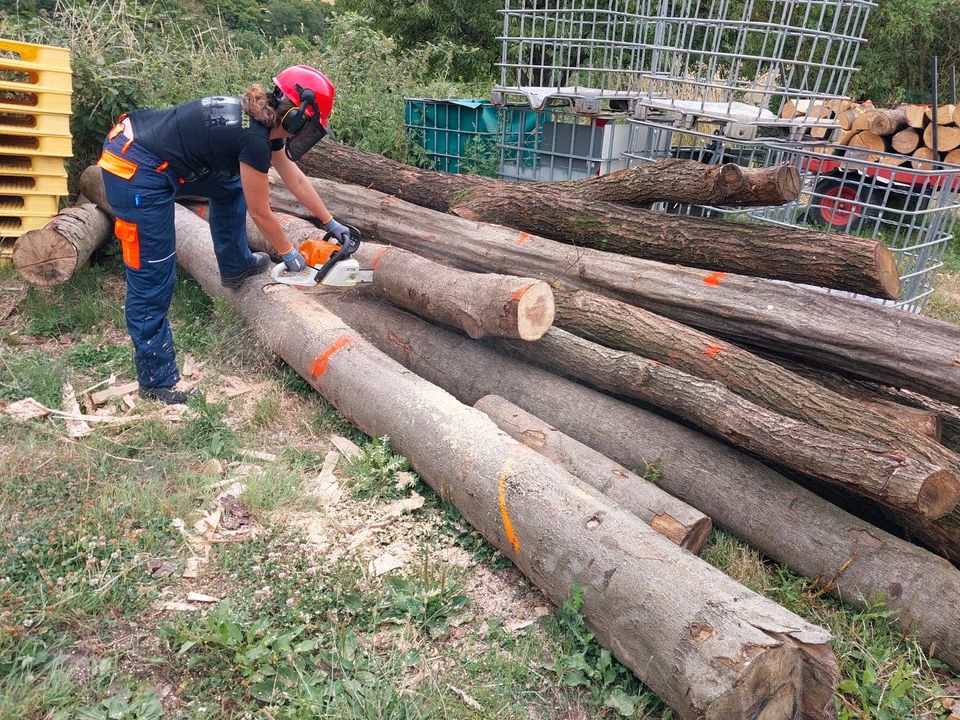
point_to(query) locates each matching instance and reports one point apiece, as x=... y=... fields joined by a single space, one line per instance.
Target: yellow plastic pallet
x=29 y=205
x=6 y=252
x=17 y=226
x=31 y=165
x=44 y=55
x=34 y=123
x=48 y=145
x=33 y=184
x=17 y=100
x=29 y=78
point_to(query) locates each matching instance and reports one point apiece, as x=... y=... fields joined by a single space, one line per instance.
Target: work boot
x=168 y=395
x=261 y=261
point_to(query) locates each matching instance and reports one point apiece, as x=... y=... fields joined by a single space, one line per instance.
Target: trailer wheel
x=835 y=205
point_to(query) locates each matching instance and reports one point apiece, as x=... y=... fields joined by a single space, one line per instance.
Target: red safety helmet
x=312 y=93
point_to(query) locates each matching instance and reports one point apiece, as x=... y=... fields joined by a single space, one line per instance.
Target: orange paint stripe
x=388 y=201
x=714 y=350
x=714 y=278
x=319 y=366
x=378 y=258
x=523 y=237
x=507 y=524
x=519 y=293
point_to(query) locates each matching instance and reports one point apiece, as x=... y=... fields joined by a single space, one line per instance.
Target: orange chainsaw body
x=316 y=252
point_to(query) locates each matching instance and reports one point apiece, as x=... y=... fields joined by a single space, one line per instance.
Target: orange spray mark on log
x=507 y=525
x=714 y=278
x=378 y=258
x=714 y=350
x=391 y=200
x=319 y=366
x=519 y=293
x=523 y=237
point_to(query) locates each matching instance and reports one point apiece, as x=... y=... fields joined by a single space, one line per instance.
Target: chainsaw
x=327 y=264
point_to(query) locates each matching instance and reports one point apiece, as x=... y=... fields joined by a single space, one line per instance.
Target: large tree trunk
x=845 y=555
x=863 y=338
x=872 y=469
x=644 y=597
x=672 y=518
x=669 y=180
x=53 y=253
x=764 y=382
x=584 y=219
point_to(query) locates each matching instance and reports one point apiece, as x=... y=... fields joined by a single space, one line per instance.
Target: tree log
x=845 y=555
x=867 y=141
x=669 y=180
x=784 y=390
x=943 y=115
x=916 y=116
x=480 y=304
x=881 y=121
x=866 y=339
x=948 y=137
x=554 y=210
x=921 y=154
x=871 y=469
x=849 y=116
x=906 y=141
x=953 y=157
x=644 y=597
x=53 y=253
x=672 y=518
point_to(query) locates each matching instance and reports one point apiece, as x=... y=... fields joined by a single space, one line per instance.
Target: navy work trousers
x=143 y=204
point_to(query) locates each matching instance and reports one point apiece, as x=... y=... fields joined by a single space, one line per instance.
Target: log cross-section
x=52 y=254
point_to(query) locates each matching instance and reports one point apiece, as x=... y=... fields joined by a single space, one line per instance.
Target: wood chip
x=189 y=366
x=258 y=455
x=196 y=597
x=384 y=564
x=99 y=398
x=27 y=409
x=235 y=386
x=193 y=567
x=347 y=448
x=467 y=700
x=396 y=509
x=75 y=428
x=174 y=606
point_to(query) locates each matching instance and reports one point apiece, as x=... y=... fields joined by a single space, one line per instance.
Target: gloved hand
x=294 y=261
x=338 y=230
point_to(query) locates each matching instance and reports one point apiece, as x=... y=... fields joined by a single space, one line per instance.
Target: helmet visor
x=312 y=133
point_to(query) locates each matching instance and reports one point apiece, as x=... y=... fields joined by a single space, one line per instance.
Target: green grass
x=78 y=306
x=31 y=373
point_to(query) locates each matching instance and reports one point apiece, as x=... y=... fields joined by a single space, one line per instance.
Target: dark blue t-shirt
x=209 y=134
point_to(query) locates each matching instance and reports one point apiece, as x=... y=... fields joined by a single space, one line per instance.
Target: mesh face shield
x=297 y=146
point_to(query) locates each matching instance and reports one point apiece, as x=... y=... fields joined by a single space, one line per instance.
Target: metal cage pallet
x=912 y=210
x=746 y=58
x=453 y=132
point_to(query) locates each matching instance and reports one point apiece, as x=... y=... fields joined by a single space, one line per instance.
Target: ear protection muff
x=294 y=120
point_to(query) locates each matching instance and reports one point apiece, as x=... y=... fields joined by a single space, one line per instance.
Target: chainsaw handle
x=345 y=251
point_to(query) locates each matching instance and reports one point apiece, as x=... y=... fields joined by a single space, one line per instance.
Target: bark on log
x=948 y=137
x=91 y=186
x=881 y=121
x=762 y=381
x=848 y=117
x=553 y=210
x=864 y=338
x=916 y=116
x=905 y=141
x=53 y=253
x=480 y=304
x=847 y=556
x=672 y=518
x=871 y=469
x=644 y=597
x=669 y=180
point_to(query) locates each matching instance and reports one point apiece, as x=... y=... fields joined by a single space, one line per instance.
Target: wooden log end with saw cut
x=52 y=254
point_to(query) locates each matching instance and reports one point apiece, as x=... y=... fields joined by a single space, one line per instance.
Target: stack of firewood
x=533 y=349
x=906 y=132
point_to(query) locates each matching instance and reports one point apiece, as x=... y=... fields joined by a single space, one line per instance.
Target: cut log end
x=535 y=311
x=887 y=271
x=44 y=257
x=938 y=495
x=689 y=537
